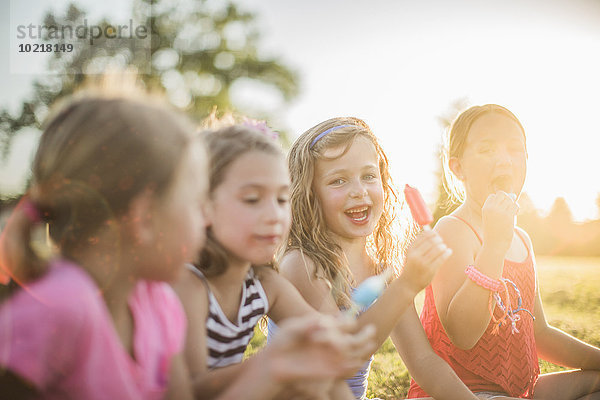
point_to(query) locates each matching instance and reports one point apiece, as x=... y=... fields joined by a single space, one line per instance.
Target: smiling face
x=349 y=189
x=249 y=212
x=494 y=157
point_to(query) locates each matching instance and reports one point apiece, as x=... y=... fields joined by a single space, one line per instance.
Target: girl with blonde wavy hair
x=310 y=233
x=233 y=283
x=343 y=214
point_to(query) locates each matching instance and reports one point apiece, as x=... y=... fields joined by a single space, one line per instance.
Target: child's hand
x=425 y=256
x=498 y=216
x=307 y=390
x=320 y=347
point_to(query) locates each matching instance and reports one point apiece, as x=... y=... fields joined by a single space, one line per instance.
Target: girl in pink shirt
x=118 y=180
x=120 y=183
x=234 y=283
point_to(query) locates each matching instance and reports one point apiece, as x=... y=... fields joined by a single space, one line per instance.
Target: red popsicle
x=418 y=208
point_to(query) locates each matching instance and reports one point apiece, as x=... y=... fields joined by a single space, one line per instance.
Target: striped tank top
x=227 y=341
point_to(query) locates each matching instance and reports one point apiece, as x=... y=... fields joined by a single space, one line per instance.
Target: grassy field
x=571 y=297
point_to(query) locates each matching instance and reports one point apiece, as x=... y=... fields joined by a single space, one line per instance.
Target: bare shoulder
x=284 y=299
x=272 y=282
x=457 y=235
x=525 y=236
x=451 y=226
x=300 y=270
x=266 y=275
x=297 y=267
x=192 y=292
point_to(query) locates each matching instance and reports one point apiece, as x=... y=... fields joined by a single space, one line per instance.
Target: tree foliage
x=197 y=51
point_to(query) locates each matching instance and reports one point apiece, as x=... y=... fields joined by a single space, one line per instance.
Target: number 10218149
x=45 y=48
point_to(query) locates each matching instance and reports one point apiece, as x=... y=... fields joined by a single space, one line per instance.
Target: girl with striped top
x=232 y=285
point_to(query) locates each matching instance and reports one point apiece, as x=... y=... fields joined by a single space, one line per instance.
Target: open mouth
x=358 y=214
x=502 y=182
x=269 y=238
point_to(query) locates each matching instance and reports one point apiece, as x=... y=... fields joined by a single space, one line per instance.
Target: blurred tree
x=530 y=220
x=526 y=206
x=198 y=50
x=528 y=217
x=560 y=215
x=560 y=229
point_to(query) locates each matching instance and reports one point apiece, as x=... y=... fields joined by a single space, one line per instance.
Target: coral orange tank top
x=503 y=362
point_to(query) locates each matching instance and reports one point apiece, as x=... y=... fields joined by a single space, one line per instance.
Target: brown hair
x=99 y=150
x=309 y=232
x=456 y=142
x=225 y=145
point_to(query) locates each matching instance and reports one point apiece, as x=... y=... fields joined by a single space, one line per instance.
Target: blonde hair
x=309 y=233
x=456 y=141
x=225 y=145
x=99 y=149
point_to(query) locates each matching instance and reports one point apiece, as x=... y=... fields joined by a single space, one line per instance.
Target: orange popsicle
x=418 y=208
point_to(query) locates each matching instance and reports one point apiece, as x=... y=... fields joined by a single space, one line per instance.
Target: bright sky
x=400 y=64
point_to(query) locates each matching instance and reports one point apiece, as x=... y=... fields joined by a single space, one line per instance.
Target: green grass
x=571 y=297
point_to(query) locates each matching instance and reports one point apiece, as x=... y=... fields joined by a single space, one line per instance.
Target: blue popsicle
x=369 y=290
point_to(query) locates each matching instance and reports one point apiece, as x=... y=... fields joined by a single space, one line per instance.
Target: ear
x=138 y=221
x=208 y=211
x=456 y=167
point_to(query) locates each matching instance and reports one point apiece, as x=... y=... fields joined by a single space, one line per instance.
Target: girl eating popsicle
x=483 y=312
x=342 y=212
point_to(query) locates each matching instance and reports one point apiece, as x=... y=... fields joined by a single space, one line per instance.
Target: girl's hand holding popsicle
x=368 y=291
x=425 y=256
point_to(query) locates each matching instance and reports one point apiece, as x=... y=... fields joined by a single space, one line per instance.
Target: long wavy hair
x=309 y=232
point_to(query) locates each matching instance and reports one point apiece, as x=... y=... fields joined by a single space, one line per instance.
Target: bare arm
x=284 y=299
x=194 y=297
x=559 y=347
x=462 y=304
x=257 y=382
x=309 y=348
x=424 y=258
x=429 y=370
x=180 y=387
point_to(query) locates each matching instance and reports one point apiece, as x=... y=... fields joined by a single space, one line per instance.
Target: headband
x=320 y=135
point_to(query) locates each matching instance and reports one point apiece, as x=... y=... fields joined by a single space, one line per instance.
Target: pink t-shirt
x=57 y=334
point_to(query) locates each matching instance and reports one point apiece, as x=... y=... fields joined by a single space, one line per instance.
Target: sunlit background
x=401 y=65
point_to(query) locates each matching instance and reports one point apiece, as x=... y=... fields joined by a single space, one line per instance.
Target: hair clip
x=260 y=126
